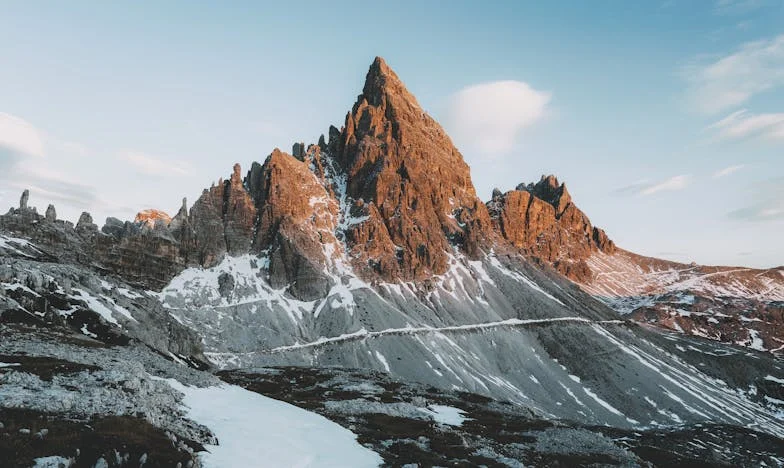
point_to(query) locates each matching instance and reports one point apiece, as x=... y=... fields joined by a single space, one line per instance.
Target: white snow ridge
x=257 y=431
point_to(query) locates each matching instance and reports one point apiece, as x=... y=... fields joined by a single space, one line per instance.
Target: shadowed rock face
x=541 y=220
x=221 y=221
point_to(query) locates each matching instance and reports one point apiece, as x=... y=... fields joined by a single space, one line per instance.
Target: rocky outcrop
x=296 y=223
x=410 y=181
x=24 y=199
x=51 y=214
x=541 y=221
x=238 y=213
x=85 y=226
x=222 y=221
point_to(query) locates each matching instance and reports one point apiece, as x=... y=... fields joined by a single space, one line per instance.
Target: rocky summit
x=541 y=221
x=361 y=278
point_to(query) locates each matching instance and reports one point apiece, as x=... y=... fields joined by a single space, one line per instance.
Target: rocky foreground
x=73 y=401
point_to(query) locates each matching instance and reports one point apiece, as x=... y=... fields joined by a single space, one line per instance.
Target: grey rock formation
x=225 y=284
x=23 y=199
x=51 y=214
x=298 y=151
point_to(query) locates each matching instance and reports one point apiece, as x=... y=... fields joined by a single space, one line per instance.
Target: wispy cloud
x=726 y=82
x=154 y=166
x=489 y=117
x=766 y=204
x=727 y=171
x=20 y=137
x=744 y=124
x=57 y=189
x=633 y=188
x=29 y=158
x=674 y=183
x=737 y=7
x=645 y=187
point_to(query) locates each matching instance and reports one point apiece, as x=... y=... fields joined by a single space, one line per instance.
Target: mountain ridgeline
x=389 y=190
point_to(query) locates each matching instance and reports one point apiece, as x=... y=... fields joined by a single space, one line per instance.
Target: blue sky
x=666 y=119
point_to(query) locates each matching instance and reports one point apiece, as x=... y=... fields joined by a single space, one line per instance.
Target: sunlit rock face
x=151 y=217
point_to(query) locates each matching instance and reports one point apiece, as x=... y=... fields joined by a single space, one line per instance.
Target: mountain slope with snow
x=741 y=306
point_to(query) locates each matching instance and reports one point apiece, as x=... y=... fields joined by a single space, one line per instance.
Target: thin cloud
x=744 y=124
x=674 y=183
x=489 y=117
x=17 y=136
x=644 y=187
x=727 y=171
x=737 y=7
x=154 y=166
x=766 y=204
x=634 y=187
x=770 y=211
x=57 y=190
x=729 y=81
x=58 y=171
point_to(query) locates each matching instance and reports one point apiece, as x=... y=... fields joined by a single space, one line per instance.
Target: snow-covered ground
x=254 y=430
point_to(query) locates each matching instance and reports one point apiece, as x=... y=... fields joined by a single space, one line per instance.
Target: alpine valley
x=355 y=303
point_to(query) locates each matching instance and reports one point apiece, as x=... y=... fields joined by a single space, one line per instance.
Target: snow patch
x=774 y=379
x=756 y=341
x=383 y=361
x=15 y=244
x=254 y=430
x=87 y=332
x=51 y=462
x=96 y=306
x=604 y=404
x=443 y=414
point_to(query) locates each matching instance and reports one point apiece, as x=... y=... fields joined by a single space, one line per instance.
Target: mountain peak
x=413 y=184
x=382 y=82
x=549 y=190
x=541 y=220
